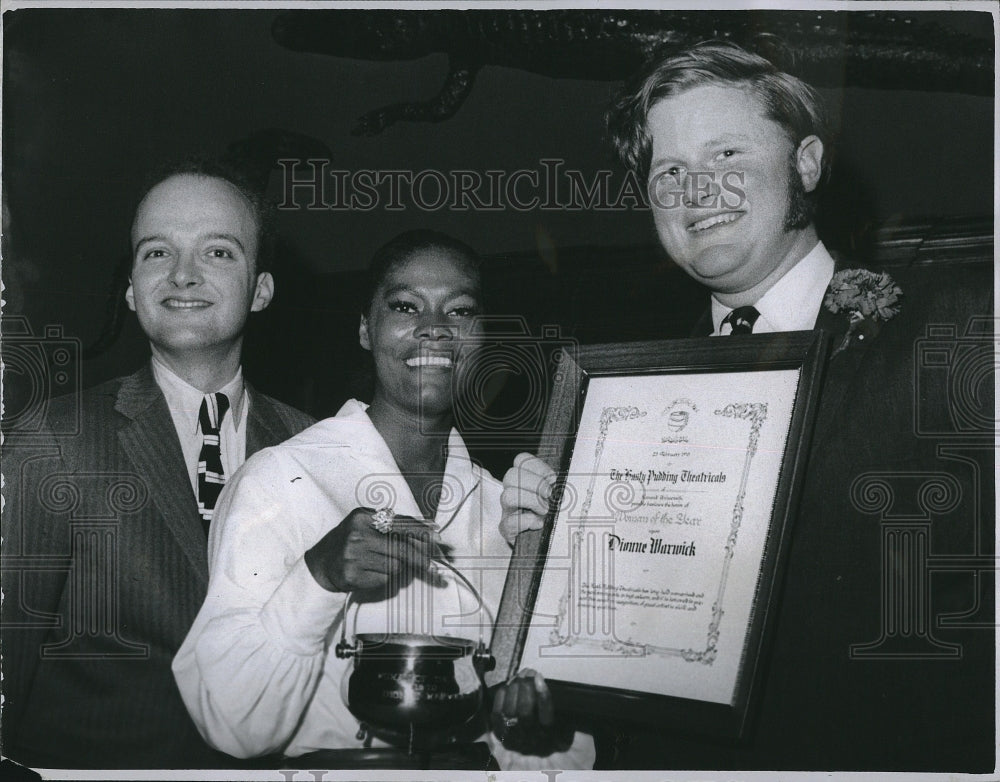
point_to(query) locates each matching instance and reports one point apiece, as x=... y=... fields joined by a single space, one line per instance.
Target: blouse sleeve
x=255 y=653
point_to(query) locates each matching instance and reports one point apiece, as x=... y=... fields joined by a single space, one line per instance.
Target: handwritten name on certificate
x=655 y=552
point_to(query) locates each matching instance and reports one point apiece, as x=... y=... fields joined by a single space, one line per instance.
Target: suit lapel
x=150 y=442
x=704 y=327
x=263 y=426
x=841 y=369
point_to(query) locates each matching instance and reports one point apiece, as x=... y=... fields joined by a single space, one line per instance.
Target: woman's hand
x=527 y=490
x=524 y=718
x=356 y=556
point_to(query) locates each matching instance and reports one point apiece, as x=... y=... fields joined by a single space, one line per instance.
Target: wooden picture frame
x=651 y=590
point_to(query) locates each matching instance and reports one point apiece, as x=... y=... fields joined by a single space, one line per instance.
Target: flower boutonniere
x=869 y=298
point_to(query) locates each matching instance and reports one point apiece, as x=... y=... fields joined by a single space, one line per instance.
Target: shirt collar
x=371 y=441
x=185 y=400
x=794 y=301
x=459 y=466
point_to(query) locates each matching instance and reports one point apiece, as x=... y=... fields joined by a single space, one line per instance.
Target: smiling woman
x=424 y=293
x=368 y=508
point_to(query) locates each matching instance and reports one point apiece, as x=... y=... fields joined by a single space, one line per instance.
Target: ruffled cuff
x=579 y=756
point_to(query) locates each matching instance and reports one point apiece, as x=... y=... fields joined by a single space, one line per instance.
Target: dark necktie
x=211 y=476
x=742 y=319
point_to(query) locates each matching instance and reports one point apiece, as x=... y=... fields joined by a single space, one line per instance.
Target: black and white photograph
x=497 y=391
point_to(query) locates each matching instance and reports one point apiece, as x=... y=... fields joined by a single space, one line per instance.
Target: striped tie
x=211 y=476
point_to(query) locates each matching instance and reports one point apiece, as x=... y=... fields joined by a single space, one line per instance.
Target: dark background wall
x=92 y=98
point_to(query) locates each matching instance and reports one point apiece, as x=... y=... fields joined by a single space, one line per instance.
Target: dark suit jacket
x=883 y=652
x=105 y=568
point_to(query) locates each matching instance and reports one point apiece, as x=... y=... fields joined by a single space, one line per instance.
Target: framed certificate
x=649 y=593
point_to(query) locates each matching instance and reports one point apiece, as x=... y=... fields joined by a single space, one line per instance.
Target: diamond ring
x=382 y=520
x=509 y=722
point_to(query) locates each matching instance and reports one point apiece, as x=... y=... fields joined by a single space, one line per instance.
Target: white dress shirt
x=184 y=401
x=257 y=670
x=792 y=303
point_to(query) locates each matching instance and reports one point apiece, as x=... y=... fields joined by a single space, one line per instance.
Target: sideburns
x=801 y=205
